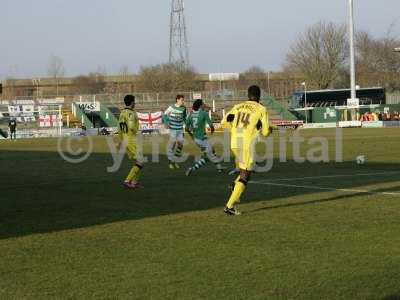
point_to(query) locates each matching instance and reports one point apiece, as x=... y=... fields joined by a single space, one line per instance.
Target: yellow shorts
x=244 y=159
x=131 y=151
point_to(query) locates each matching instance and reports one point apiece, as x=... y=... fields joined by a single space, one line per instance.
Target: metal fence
x=393 y=98
x=148 y=101
x=116 y=98
x=213 y=94
x=145 y=102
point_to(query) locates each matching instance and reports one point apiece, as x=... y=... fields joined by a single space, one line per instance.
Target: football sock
x=199 y=164
x=238 y=189
x=178 y=150
x=134 y=173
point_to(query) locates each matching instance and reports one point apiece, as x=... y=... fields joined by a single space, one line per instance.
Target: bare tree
x=124 y=84
x=319 y=54
x=377 y=63
x=124 y=71
x=253 y=75
x=56 y=69
x=93 y=83
x=101 y=70
x=166 y=77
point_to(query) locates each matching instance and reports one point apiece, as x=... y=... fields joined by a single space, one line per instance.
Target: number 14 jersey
x=250 y=119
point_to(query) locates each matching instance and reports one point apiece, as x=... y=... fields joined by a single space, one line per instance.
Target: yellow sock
x=236 y=193
x=133 y=174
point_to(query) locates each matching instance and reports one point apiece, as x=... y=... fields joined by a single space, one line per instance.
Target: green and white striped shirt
x=175 y=117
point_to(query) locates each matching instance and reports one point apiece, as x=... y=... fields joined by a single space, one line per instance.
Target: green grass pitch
x=308 y=231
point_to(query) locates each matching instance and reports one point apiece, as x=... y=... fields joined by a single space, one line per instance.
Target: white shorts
x=176 y=136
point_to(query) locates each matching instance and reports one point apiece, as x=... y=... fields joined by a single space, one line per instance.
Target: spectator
x=12 y=125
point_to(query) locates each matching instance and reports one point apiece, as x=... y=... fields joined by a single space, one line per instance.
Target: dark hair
x=179 y=97
x=197 y=104
x=129 y=100
x=254 y=93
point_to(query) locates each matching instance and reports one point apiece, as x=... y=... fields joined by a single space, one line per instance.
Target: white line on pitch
x=325 y=188
x=335 y=176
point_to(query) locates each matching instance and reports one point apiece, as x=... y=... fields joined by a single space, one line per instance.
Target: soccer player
x=12 y=125
x=174 y=118
x=128 y=129
x=246 y=121
x=196 y=127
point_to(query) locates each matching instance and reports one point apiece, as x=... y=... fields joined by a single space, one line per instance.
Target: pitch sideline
x=313 y=187
x=330 y=176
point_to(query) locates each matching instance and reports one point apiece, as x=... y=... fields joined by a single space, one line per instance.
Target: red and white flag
x=49 y=121
x=150 y=121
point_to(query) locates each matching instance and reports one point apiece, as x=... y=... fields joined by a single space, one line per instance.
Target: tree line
x=319 y=56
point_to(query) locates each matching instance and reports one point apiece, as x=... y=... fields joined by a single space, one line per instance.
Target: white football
x=360 y=159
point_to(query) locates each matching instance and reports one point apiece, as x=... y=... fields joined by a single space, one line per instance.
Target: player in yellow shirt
x=246 y=121
x=128 y=129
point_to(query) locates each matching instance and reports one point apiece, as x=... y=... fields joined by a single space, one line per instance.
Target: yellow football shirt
x=250 y=120
x=128 y=124
x=128 y=128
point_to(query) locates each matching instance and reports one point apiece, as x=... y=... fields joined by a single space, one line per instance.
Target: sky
x=224 y=35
